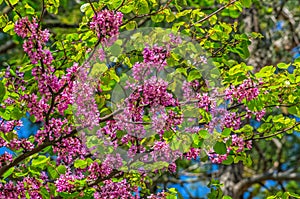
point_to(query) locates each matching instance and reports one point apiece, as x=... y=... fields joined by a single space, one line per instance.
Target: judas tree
x=129 y=91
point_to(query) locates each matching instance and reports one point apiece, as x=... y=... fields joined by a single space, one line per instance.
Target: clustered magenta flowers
x=154 y=58
x=150 y=107
x=28 y=185
x=111 y=189
x=36 y=40
x=106 y=25
x=48 y=81
x=247 y=90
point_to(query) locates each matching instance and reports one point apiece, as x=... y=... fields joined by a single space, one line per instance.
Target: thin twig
x=149 y=14
x=214 y=13
x=274 y=134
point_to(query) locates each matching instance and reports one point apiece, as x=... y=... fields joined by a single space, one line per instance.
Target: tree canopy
x=139 y=99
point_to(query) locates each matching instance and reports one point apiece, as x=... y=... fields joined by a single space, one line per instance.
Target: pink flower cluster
x=175 y=39
x=247 y=90
x=109 y=133
x=27 y=187
x=193 y=153
x=65 y=182
x=69 y=149
x=48 y=85
x=232 y=120
x=154 y=93
x=240 y=143
x=16 y=80
x=237 y=144
x=205 y=101
x=152 y=97
x=5 y=159
x=23 y=27
x=173 y=120
x=258 y=114
x=37 y=107
x=8 y=126
x=163 y=152
x=106 y=25
x=164 y=119
x=52 y=131
x=87 y=113
x=36 y=40
x=96 y=170
x=188 y=89
x=16 y=144
x=110 y=189
x=154 y=58
x=172 y=167
x=217 y=158
x=161 y=195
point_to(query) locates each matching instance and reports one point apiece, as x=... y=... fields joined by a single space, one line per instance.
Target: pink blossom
x=106 y=25
x=111 y=189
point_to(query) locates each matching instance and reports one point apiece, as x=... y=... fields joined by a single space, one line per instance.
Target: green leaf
x=154 y=3
x=226 y=132
x=68 y=195
x=295 y=110
x=183 y=13
x=115 y=49
x=2 y=91
x=220 y=148
x=204 y=134
x=98 y=68
x=16 y=114
x=6 y=115
x=157 y=18
x=61 y=169
x=142 y=7
x=175 y=144
x=226 y=197
x=283 y=65
x=115 y=4
x=213 y=20
x=194 y=74
x=131 y=25
x=170 y=17
x=34 y=171
x=29 y=9
x=85 y=7
x=20 y=174
x=32 y=118
x=8 y=172
x=80 y=164
x=294 y=195
x=127 y=9
x=266 y=71
x=8 y=26
x=246 y=3
x=248 y=161
x=228 y=161
x=40 y=162
x=44 y=192
x=52 y=172
x=13 y=2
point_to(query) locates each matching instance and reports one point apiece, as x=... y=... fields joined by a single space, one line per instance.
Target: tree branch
x=274 y=134
x=244 y=184
x=214 y=13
